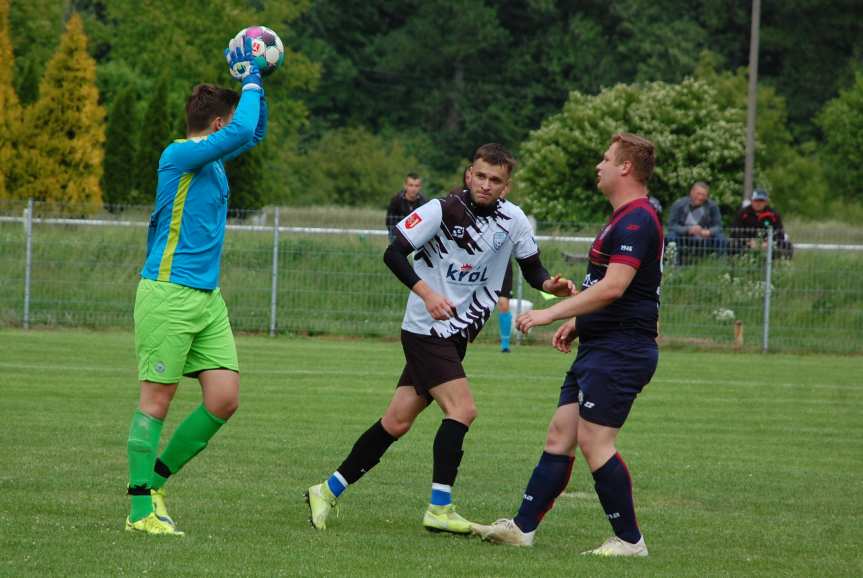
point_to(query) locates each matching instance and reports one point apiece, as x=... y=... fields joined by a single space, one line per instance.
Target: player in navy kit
x=462 y=245
x=615 y=317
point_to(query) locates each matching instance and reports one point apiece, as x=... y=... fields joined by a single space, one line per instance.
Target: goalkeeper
x=181 y=322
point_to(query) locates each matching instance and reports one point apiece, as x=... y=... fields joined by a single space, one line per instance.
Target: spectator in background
x=404 y=203
x=694 y=223
x=750 y=226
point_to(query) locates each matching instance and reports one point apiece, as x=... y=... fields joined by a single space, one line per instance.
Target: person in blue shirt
x=181 y=321
x=615 y=318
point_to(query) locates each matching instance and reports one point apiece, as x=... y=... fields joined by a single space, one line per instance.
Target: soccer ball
x=267 y=48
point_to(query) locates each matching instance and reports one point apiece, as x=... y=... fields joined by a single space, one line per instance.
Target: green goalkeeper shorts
x=181 y=331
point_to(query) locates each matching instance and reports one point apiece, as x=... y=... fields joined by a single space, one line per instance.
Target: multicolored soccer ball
x=267 y=48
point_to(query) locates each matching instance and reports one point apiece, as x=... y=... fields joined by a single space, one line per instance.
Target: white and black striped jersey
x=462 y=251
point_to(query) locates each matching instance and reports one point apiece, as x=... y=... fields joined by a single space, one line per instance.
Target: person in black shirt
x=404 y=203
x=750 y=227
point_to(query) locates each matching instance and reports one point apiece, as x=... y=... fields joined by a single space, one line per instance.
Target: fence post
x=28 y=266
x=275 y=280
x=768 y=274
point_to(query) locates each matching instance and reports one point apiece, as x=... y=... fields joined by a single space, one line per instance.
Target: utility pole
x=752 y=101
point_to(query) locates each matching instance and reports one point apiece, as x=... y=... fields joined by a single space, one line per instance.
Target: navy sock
x=614 y=488
x=447 y=451
x=548 y=480
x=366 y=453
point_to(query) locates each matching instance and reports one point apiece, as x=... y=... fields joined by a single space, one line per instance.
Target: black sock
x=614 y=488
x=366 y=453
x=447 y=451
x=548 y=480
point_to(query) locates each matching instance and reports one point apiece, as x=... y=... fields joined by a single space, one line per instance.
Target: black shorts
x=431 y=361
x=606 y=377
x=506 y=289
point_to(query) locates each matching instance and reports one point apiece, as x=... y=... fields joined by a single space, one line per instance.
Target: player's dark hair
x=637 y=150
x=495 y=154
x=413 y=176
x=206 y=102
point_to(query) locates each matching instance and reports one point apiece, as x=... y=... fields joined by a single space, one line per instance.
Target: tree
x=38 y=26
x=808 y=51
x=141 y=41
x=351 y=167
x=244 y=178
x=841 y=120
x=64 y=130
x=405 y=64
x=10 y=110
x=695 y=137
x=118 y=179
x=157 y=130
x=791 y=173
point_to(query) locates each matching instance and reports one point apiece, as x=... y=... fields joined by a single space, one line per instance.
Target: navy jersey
x=633 y=236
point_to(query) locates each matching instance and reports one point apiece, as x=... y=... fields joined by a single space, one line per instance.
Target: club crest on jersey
x=413 y=220
x=498 y=240
x=466 y=274
x=458 y=232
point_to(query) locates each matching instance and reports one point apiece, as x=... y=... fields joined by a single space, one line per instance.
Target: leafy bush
x=697 y=138
x=351 y=167
x=842 y=123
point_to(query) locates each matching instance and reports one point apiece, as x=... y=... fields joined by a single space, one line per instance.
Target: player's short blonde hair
x=637 y=150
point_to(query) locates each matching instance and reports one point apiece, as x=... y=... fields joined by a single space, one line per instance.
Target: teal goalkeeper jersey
x=187 y=226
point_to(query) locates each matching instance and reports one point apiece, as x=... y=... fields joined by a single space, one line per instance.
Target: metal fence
x=320 y=271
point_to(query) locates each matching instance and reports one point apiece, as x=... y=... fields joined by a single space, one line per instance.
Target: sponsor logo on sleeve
x=627 y=248
x=633 y=227
x=413 y=220
x=589 y=281
x=458 y=232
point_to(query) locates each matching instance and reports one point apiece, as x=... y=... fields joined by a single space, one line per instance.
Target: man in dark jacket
x=751 y=224
x=694 y=223
x=405 y=202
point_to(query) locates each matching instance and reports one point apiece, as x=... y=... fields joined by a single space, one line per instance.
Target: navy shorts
x=606 y=377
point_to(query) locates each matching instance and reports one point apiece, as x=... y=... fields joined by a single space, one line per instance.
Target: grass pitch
x=742 y=465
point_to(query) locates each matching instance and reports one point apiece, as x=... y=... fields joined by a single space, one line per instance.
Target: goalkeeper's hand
x=241 y=63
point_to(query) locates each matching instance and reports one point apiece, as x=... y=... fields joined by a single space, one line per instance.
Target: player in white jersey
x=461 y=247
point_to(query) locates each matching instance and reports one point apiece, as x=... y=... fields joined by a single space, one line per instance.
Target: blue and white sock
x=337 y=484
x=441 y=495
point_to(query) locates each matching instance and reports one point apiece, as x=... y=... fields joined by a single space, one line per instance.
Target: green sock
x=190 y=438
x=142 y=446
